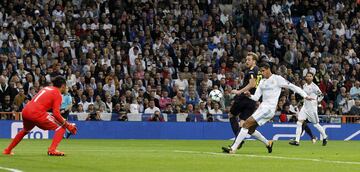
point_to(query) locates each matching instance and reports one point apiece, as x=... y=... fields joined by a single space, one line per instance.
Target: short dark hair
x=58 y=81
x=264 y=65
x=310 y=73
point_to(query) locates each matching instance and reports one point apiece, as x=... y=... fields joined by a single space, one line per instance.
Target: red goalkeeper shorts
x=44 y=121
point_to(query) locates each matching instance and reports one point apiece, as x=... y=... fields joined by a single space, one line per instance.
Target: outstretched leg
x=28 y=126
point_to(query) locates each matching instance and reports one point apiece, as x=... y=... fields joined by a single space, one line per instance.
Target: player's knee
x=26 y=131
x=247 y=124
x=300 y=122
x=251 y=130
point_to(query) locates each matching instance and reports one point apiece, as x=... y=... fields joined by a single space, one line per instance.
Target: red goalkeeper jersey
x=47 y=98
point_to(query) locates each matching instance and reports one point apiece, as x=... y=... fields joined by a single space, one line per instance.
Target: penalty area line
x=269 y=157
x=10 y=169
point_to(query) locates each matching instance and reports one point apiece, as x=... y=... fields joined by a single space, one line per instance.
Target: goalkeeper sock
x=19 y=136
x=59 y=133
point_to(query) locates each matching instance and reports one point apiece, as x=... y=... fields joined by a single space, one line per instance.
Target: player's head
x=309 y=77
x=265 y=70
x=251 y=59
x=60 y=83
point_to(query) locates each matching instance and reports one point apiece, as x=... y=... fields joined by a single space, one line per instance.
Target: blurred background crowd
x=151 y=56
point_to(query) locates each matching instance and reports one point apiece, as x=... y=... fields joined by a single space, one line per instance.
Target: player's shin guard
x=19 y=136
x=260 y=137
x=234 y=125
x=321 y=130
x=58 y=136
x=298 y=131
x=241 y=136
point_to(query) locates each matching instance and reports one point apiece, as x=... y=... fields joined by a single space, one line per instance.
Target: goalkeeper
x=35 y=114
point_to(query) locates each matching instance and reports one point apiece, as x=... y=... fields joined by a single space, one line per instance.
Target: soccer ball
x=216 y=95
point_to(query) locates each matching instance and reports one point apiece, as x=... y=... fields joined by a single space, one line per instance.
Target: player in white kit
x=310 y=110
x=269 y=89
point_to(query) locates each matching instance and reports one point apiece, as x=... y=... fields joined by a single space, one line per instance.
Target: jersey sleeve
x=282 y=82
x=56 y=108
x=258 y=93
x=318 y=93
x=252 y=74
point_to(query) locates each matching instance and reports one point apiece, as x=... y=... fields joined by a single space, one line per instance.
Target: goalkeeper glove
x=71 y=127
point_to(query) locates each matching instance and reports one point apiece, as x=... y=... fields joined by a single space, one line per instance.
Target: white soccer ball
x=216 y=95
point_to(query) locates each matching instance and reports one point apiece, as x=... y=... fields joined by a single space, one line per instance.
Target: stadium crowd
x=136 y=56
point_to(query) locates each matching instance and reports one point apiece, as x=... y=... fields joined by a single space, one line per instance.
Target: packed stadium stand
x=157 y=60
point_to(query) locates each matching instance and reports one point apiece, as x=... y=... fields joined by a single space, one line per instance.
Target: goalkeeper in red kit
x=35 y=114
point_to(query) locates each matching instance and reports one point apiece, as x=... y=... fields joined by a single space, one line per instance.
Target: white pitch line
x=270 y=157
x=10 y=169
x=213 y=153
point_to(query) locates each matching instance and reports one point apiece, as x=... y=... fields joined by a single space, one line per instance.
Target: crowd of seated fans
x=165 y=56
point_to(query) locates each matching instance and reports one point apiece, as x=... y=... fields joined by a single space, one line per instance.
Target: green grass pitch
x=182 y=156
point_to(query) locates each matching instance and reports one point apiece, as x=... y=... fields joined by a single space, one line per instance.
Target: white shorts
x=263 y=114
x=310 y=114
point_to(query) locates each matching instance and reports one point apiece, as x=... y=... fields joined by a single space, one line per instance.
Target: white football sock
x=298 y=131
x=241 y=136
x=260 y=137
x=321 y=130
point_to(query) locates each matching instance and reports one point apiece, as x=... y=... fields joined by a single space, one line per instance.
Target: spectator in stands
x=110 y=86
x=152 y=108
x=94 y=116
x=164 y=100
x=117 y=108
x=192 y=98
x=135 y=107
x=31 y=93
x=20 y=97
x=179 y=99
x=7 y=106
x=216 y=109
x=108 y=104
x=156 y=117
x=99 y=105
x=355 y=90
x=287 y=112
x=122 y=111
x=4 y=89
x=91 y=108
x=181 y=83
x=355 y=110
x=116 y=98
x=80 y=108
x=169 y=109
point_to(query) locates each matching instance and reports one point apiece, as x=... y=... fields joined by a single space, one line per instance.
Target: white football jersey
x=270 y=90
x=314 y=92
